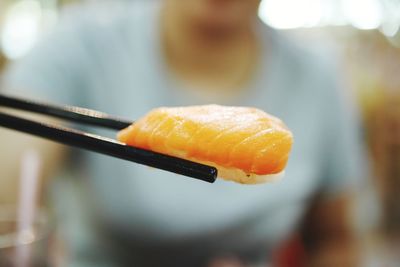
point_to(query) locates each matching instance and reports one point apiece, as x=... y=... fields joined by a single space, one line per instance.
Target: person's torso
x=128 y=77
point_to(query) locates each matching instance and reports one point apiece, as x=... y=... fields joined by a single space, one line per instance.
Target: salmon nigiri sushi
x=245 y=144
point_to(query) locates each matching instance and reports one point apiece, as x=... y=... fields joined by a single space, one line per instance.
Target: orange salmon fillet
x=230 y=137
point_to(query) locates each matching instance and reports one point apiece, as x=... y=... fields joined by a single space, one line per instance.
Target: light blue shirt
x=112 y=61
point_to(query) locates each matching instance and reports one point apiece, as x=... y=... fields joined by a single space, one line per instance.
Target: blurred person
x=129 y=59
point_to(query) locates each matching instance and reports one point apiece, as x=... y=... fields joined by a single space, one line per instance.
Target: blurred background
x=365 y=34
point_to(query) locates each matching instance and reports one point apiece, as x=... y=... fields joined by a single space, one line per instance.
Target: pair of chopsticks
x=93 y=142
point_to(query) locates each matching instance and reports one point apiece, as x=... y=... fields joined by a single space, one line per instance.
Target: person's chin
x=213 y=32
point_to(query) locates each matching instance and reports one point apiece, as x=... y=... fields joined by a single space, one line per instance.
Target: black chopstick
x=70 y=113
x=96 y=143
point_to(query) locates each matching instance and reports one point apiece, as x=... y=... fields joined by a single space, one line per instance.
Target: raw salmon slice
x=245 y=144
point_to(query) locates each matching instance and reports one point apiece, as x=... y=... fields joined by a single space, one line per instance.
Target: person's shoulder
x=103 y=16
x=302 y=55
x=316 y=68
